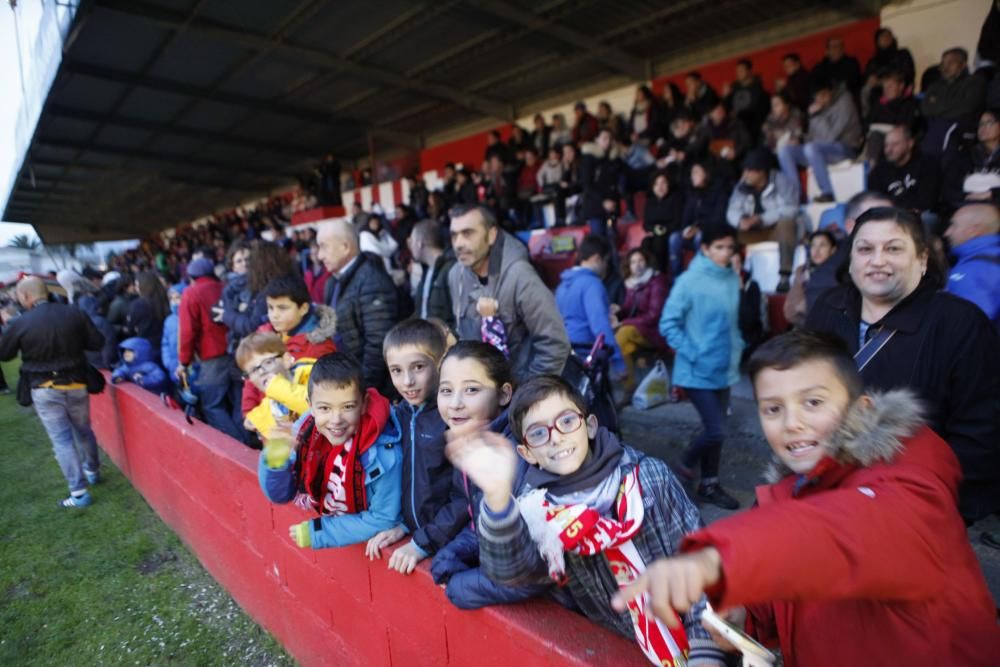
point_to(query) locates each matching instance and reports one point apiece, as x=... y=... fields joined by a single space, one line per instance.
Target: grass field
x=110 y=584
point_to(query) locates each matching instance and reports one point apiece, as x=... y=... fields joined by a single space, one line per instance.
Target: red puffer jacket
x=865 y=561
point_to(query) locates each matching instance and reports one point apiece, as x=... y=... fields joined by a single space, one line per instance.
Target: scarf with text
x=582 y=530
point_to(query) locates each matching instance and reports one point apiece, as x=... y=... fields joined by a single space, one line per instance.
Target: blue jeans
x=706 y=449
x=816 y=155
x=66 y=414
x=677 y=244
x=219 y=397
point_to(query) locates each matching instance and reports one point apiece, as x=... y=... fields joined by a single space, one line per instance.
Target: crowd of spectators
x=223 y=307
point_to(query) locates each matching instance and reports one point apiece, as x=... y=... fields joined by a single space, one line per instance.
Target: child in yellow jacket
x=283 y=381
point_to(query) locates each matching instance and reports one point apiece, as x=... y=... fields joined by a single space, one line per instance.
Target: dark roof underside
x=166 y=110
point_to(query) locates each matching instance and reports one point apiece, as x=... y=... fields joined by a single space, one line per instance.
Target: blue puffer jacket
x=457 y=563
x=169 y=344
x=382 y=466
x=427 y=477
x=142 y=370
x=701 y=323
x=583 y=303
x=107 y=357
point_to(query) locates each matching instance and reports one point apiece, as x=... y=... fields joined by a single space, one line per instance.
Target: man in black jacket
x=432 y=298
x=912 y=179
x=52 y=339
x=364 y=297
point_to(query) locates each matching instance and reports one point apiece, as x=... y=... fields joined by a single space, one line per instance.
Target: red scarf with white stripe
x=582 y=530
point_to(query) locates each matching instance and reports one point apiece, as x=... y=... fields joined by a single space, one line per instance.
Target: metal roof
x=166 y=110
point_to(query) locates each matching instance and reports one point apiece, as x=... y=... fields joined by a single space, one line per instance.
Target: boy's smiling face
x=284 y=314
x=414 y=373
x=800 y=408
x=262 y=366
x=337 y=410
x=564 y=453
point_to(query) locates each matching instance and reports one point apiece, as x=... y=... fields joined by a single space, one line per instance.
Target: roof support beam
x=311 y=55
x=626 y=63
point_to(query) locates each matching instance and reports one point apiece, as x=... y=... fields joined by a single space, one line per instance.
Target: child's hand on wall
x=299 y=532
x=277 y=451
x=490 y=462
x=381 y=540
x=404 y=560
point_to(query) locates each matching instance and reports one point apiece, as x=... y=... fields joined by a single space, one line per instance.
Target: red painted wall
x=327 y=607
x=859 y=41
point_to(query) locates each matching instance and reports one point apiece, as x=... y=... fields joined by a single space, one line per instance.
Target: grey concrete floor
x=664 y=432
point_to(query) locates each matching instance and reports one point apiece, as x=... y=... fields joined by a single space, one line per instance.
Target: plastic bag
x=654 y=388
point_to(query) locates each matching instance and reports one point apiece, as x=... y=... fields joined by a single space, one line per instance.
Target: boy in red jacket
x=856 y=554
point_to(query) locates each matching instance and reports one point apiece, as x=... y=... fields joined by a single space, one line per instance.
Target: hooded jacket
x=976 y=275
x=380 y=459
x=536 y=334
x=310 y=340
x=838 y=122
x=143 y=369
x=170 y=343
x=864 y=560
x=583 y=304
x=947 y=352
x=700 y=322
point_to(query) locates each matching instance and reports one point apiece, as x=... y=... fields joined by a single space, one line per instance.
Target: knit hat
x=201 y=267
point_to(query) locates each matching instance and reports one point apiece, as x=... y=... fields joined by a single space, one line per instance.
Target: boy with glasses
x=591 y=514
x=279 y=378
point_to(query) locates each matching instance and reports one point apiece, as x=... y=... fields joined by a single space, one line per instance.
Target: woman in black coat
x=147 y=312
x=938 y=345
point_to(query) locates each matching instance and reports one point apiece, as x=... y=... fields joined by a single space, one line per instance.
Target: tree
x=24 y=241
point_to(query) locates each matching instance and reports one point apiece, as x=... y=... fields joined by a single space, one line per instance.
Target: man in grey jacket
x=764 y=206
x=492 y=264
x=834 y=135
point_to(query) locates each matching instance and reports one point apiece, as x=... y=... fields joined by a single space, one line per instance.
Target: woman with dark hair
x=266 y=262
x=982 y=156
x=905 y=332
x=236 y=295
x=636 y=321
x=147 y=312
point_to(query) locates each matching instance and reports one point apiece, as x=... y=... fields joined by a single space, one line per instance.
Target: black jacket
x=599 y=176
x=900 y=111
x=53 y=339
x=706 y=207
x=666 y=212
x=439 y=299
x=947 y=351
x=144 y=323
x=367 y=307
x=916 y=185
x=846 y=71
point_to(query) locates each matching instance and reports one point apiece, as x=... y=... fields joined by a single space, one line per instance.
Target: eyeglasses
x=539 y=435
x=265 y=366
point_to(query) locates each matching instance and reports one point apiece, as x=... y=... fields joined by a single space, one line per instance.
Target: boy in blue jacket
x=169 y=343
x=139 y=366
x=345 y=465
x=583 y=301
x=413 y=350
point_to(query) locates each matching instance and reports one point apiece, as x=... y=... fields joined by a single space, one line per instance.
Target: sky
x=25 y=75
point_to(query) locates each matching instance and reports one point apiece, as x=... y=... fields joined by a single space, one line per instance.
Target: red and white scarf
x=582 y=530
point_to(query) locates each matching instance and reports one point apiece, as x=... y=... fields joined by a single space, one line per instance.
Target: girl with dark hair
x=148 y=311
x=906 y=333
x=266 y=262
x=635 y=322
x=236 y=295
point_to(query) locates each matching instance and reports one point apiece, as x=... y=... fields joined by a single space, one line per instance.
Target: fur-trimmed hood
x=869 y=434
x=326 y=324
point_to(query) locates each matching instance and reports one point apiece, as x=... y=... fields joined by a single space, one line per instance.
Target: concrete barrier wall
x=331 y=606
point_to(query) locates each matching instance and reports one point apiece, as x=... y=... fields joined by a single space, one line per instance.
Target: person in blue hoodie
x=974 y=234
x=138 y=365
x=170 y=342
x=583 y=301
x=107 y=357
x=701 y=323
